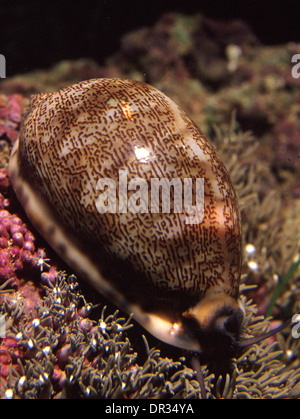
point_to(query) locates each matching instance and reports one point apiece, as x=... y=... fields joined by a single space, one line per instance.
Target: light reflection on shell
x=155 y=265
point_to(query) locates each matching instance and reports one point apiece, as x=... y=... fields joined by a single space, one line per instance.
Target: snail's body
x=164 y=269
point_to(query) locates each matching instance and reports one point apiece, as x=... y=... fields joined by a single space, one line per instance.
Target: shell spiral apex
x=93 y=167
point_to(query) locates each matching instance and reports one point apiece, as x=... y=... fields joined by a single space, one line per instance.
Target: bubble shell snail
x=180 y=279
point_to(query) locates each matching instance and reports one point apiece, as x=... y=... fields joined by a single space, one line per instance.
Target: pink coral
x=17 y=248
x=11 y=109
x=20 y=260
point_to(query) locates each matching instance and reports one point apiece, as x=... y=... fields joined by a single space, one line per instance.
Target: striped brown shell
x=156 y=265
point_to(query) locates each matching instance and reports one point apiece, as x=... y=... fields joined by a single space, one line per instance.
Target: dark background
x=38 y=34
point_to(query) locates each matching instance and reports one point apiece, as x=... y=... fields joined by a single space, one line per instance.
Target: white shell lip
x=170 y=332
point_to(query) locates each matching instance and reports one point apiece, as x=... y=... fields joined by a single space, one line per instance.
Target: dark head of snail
x=221 y=341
